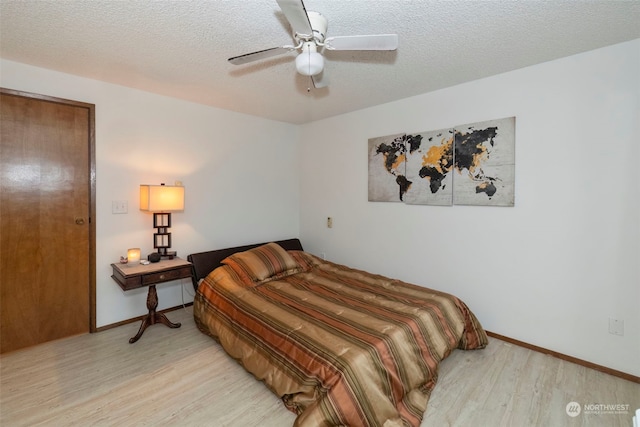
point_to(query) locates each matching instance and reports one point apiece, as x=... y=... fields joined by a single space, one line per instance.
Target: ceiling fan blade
x=297 y=16
x=320 y=80
x=261 y=54
x=370 y=42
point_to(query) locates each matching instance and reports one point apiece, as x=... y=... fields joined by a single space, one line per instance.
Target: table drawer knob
x=162 y=277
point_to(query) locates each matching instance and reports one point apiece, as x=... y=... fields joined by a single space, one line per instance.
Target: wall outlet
x=119 y=207
x=616 y=326
x=329 y=222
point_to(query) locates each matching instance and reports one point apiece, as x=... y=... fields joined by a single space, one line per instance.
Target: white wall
x=239 y=173
x=549 y=271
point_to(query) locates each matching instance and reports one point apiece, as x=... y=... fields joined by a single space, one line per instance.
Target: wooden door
x=47 y=236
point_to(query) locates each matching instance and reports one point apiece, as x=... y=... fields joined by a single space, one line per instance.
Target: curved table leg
x=143 y=326
x=161 y=318
x=152 y=317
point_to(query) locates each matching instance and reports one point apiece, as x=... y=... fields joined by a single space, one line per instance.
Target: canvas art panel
x=429 y=168
x=484 y=163
x=387 y=168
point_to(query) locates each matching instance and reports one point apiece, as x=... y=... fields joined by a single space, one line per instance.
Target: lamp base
x=165 y=254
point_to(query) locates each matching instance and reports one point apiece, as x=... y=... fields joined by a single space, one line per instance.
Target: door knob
x=80 y=221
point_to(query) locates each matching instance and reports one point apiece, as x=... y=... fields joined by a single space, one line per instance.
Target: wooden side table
x=133 y=276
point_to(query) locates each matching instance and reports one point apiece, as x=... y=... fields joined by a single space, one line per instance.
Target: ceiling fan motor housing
x=319 y=25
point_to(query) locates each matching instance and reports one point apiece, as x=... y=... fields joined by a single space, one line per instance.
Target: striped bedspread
x=341 y=347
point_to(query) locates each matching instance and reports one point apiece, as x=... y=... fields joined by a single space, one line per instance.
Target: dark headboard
x=205 y=262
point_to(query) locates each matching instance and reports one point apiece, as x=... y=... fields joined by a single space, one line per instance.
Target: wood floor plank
x=183 y=377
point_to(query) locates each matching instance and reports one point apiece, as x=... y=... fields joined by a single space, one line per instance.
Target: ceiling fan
x=309 y=31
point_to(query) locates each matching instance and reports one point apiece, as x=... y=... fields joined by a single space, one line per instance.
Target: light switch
x=119 y=207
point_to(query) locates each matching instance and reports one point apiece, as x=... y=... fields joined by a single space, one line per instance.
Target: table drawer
x=165 y=276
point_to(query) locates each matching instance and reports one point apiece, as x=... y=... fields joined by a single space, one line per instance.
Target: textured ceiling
x=180 y=48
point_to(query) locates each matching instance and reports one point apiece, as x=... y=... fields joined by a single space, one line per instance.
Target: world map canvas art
x=472 y=164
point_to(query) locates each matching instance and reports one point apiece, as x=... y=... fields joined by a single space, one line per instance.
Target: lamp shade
x=161 y=198
x=309 y=62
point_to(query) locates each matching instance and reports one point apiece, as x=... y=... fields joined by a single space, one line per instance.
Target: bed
x=339 y=346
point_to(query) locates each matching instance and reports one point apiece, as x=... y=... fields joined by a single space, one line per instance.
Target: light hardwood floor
x=182 y=377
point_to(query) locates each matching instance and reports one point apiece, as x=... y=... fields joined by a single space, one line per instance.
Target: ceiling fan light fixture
x=309 y=62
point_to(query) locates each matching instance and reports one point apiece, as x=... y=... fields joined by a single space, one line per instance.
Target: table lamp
x=162 y=200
